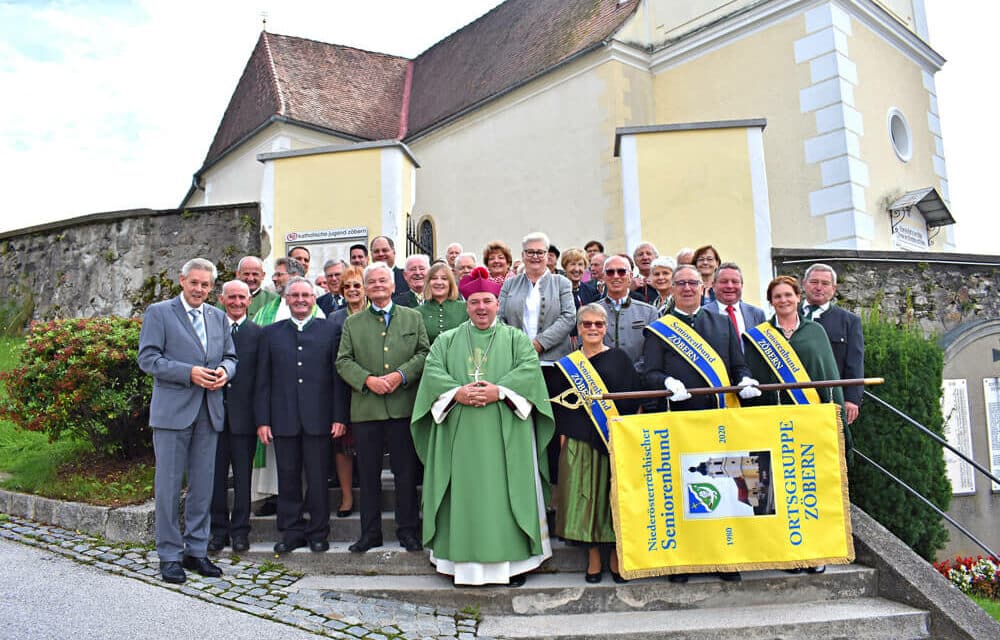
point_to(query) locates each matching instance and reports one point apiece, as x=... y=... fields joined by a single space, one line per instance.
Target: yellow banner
x=730 y=489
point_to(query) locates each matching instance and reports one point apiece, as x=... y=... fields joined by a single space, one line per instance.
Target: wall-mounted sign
x=326 y=244
x=326 y=235
x=909 y=233
x=991 y=392
x=958 y=433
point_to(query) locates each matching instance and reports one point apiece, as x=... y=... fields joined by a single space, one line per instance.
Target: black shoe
x=729 y=576
x=202 y=566
x=217 y=544
x=364 y=544
x=795 y=571
x=287 y=546
x=593 y=578
x=343 y=513
x=240 y=544
x=172 y=572
x=269 y=508
x=617 y=577
x=319 y=546
x=819 y=569
x=518 y=580
x=409 y=542
x=678 y=578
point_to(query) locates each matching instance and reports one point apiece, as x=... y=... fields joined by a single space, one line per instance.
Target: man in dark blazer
x=384 y=250
x=333 y=299
x=185 y=345
x=296 y=409
x=238 y=439
x=842 y=327
x=415 y=274
x=728 y=286
x=381 y=357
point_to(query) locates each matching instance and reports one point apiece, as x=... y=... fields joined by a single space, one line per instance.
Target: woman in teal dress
x=441 y=308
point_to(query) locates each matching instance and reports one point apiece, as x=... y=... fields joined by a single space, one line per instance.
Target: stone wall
x=940 y=291
x=116 y=263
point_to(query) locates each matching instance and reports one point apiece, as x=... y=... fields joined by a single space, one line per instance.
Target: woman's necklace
x=479 y=362
x=788 y=332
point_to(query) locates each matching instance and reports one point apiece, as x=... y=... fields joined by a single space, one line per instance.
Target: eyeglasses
x=535 y=253
x=298 y=295
x=592 y=324
x=352 y=285
x=693 y=284
x=616 y=272
x=705 y=259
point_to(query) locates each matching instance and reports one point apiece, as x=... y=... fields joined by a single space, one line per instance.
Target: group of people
x=450 y=367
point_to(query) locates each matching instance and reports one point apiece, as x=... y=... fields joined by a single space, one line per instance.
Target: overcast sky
x=111 y=104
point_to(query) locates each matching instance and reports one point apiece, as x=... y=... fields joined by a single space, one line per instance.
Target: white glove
x=748 y=388
x=678 y=392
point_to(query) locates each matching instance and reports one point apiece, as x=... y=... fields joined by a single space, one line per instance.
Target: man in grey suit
x=728 y=286
x=187 y=348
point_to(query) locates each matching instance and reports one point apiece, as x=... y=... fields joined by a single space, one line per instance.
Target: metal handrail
x=941 y=441
x=954 y=523
x=927 y=432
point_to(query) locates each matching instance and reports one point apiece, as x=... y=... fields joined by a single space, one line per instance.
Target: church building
x=746 y=124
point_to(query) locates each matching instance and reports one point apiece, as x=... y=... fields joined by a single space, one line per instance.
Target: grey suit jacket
x=169 y=348
x=556 y=314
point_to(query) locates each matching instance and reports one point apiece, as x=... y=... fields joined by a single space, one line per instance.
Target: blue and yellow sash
x=783 y=360
x=583 y=377
x=689 y=344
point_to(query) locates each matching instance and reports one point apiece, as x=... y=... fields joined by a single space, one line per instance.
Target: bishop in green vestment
x=480 y=425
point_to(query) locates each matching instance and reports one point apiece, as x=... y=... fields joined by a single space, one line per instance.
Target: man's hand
x=205 y=378
x=264 y=434
x=377 y=385
x=392 y=381
x=221 y=378
x=337 y=429
x=748 y=388
x=678 y=392
x=852 y=410
x=477 y=394
x=537 y=345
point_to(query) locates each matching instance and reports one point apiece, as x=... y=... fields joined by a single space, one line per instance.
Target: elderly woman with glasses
x=583 y=494
x=706 y=261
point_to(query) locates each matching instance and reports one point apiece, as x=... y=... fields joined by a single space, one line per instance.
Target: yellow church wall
x=754 y=77
x=694 y=189
x=238 y=176
x=887 y=79
x=327 y=191
x=538 y=159
x=901 y=10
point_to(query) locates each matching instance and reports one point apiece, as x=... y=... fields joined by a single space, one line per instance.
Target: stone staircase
x=845 y=602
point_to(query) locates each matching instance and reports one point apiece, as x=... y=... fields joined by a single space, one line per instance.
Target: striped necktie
x=199 y=327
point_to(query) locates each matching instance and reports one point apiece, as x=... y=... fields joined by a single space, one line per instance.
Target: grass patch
x=66 y=469
x=992 y=607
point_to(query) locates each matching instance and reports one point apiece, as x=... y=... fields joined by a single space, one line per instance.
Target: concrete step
x=567 y=593
x=855 y=618
x=265 y=528
x=389 y=560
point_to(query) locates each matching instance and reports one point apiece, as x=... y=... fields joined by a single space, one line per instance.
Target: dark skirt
x=584 y=494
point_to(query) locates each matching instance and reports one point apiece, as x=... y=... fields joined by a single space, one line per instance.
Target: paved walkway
x=265 y=590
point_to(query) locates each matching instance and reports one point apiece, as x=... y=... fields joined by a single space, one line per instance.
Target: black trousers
x=295 y=456
x=370 y=440
x=236 y=451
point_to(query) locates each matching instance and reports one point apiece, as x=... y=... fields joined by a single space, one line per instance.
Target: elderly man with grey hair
x=643 y=256
x=415 y=274
x=627 y=316
x=187 y=348
x=464 y=264
x=251 y=271
x=453 y=251
x=332 y=300
x=277 y=309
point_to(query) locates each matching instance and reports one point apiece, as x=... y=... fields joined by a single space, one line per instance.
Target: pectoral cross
x=476 y=374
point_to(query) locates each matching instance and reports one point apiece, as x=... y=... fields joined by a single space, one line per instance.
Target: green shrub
x=912 y=366
x=80 y=377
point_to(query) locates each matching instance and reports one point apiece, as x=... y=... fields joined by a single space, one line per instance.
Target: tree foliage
x=912 y=366
x=80 y=377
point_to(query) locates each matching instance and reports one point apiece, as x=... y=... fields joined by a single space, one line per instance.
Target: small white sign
x=991 y=392
x=910 y=233
x=326 y=235
x=958 y=433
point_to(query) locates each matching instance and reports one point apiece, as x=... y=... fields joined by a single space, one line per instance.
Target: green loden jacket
x=368 y=347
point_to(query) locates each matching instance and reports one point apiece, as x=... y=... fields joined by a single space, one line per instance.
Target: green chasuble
x=268 y=314
x=480 y=498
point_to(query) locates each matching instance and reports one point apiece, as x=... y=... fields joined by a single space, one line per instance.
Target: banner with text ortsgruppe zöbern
x=730 y=489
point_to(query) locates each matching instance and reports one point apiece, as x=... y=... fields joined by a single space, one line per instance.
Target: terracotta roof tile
x=361 y=93
x=513 y=42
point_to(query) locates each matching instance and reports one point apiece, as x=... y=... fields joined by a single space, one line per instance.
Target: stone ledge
x=905 y=577
x=133 y=523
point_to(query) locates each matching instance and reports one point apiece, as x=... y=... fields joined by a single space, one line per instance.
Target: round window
x=899 y=135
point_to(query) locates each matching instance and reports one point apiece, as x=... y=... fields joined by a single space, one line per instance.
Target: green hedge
x=912 y=366
x=80 y=377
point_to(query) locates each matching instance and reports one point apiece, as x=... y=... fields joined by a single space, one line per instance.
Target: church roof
x=365 y=95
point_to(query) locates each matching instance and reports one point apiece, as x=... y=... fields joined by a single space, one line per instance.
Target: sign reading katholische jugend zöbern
x=730 y=489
